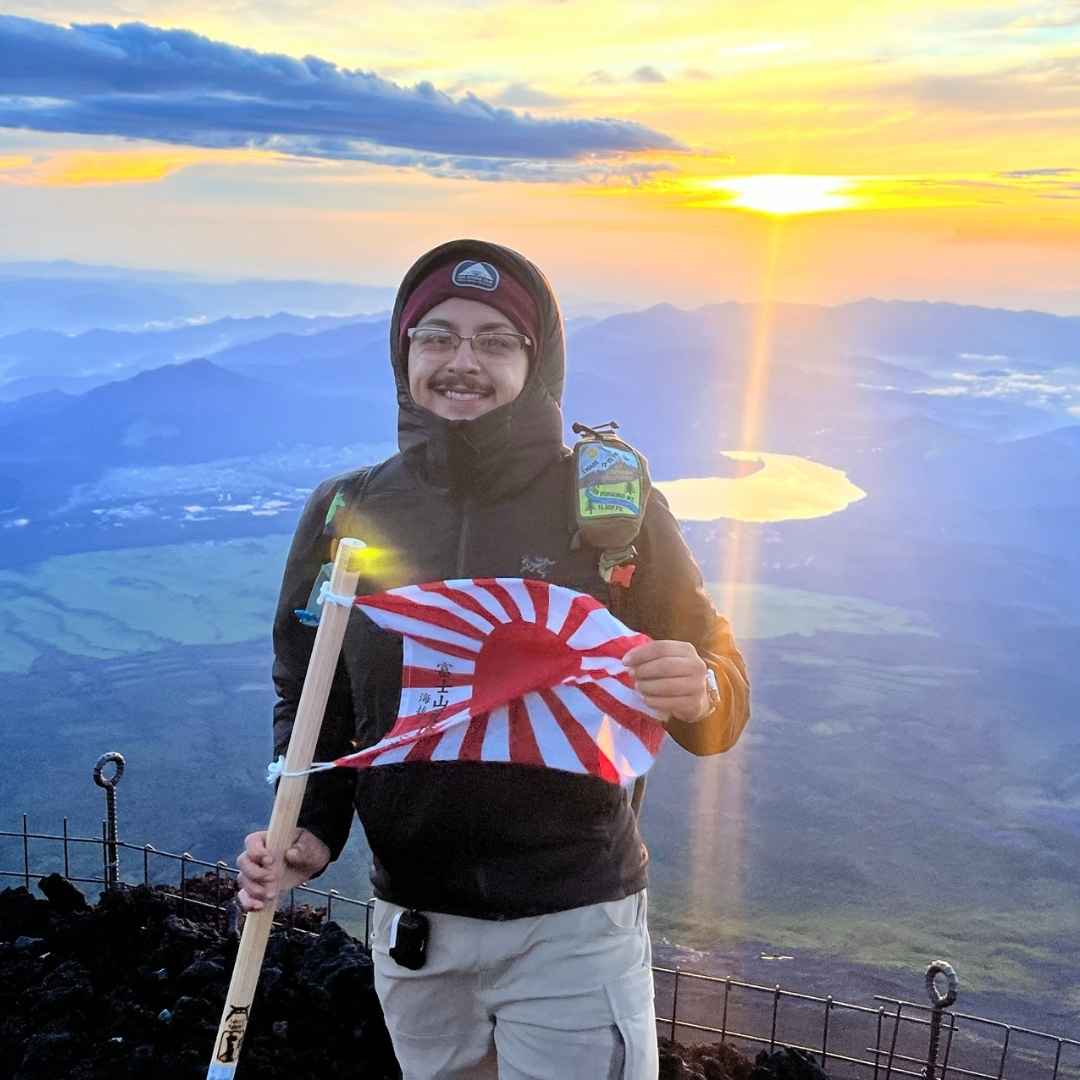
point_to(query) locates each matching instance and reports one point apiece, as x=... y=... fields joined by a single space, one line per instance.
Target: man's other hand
x=263 y=878
x=670 y=676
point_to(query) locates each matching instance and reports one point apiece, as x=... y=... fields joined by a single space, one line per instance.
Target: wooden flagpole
x=290 y=794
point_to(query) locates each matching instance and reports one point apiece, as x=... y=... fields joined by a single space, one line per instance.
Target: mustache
x=461 y=382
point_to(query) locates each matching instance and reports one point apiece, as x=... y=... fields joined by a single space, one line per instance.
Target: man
x=532 y=879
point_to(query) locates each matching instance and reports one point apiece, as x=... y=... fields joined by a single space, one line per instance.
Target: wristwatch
x=712 y=688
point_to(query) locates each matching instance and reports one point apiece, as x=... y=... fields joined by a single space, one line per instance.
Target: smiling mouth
x=461 y=393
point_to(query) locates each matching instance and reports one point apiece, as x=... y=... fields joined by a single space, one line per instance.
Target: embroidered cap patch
x=476 y=275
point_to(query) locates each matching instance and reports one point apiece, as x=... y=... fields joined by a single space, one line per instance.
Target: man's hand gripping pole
x=290 y=794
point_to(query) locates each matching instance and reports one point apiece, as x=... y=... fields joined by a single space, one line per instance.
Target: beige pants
x=567 y=996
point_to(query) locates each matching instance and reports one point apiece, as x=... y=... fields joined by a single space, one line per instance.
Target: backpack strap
x=341 y=515
x=341 y=520
x=609 y=491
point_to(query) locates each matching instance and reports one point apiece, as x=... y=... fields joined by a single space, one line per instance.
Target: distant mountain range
x=72 y=298
x=967 y=411
x=68 y=326
x=177 y=414
x=869 y=386
x=35 y=360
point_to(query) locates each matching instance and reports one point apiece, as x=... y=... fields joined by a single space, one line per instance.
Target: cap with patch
x=471 y=279
x=473 y=274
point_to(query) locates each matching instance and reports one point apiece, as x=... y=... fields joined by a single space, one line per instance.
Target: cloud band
x=178 y=87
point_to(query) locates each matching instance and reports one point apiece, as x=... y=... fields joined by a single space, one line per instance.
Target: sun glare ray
x=719 y=794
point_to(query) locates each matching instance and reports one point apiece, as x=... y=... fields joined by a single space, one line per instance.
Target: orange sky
x=916 y=151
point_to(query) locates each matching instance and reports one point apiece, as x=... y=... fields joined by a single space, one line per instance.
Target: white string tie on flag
x=327 y=597
x=276 y=769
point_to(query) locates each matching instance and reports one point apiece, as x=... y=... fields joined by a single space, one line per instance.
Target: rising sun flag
x=511 y=670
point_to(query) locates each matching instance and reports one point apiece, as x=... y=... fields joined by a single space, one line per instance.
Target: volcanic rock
x=135 y=986
x=63 y=896
x=787 y=1063
x=22 y=915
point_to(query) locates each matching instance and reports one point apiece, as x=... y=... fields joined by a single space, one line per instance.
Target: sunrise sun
x=784 y=194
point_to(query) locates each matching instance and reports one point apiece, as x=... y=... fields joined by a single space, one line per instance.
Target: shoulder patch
x=472 y=274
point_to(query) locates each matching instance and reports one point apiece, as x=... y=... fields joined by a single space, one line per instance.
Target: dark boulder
x=340 y=965
x=787 y=1064
x=203 y=972
x=21 y=914
x=711 y=1061
x=720 y=1061
x=48 y=1056
x=67 y=988
x=62 y=895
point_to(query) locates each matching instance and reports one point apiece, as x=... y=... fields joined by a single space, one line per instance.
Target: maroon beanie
x=470 y=279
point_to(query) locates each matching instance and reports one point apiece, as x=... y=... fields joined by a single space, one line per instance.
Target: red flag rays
x=511 y=670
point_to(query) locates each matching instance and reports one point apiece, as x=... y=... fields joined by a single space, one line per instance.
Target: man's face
x=463 y=384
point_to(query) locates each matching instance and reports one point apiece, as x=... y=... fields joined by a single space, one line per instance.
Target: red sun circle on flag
x=512 y=670
x=517 y=658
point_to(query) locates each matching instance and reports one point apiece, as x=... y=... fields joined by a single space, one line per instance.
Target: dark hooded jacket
x=480 y=498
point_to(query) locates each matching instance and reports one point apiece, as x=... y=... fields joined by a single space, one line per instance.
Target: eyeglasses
x=491 y=344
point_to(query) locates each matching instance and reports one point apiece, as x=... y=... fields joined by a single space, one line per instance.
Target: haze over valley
x=884 y=498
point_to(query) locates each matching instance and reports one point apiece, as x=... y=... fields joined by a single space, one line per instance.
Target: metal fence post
x=184 y=860
x=877 y=1041
x=941 y=1001
x=948 y=1047
x=218 y=867
x=892 y=1045
x=825 y=1032
x=675 y=1003
x=26 y=852
x=112 y=861
x=1004 y=1053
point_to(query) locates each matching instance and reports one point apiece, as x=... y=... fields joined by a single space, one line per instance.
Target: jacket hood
x=502 y=450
